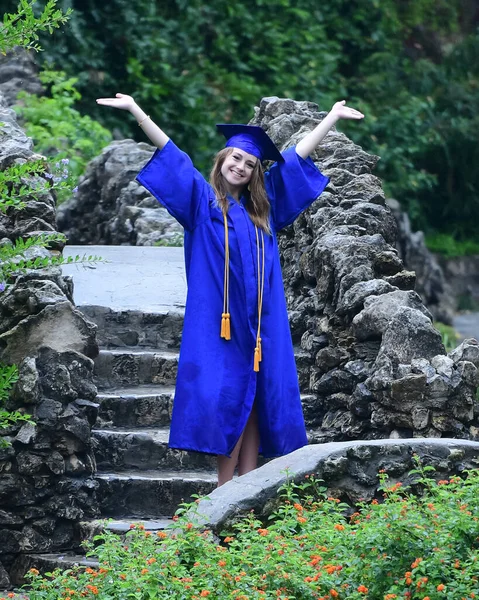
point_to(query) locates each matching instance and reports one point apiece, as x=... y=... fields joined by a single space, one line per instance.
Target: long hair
x=257 y=203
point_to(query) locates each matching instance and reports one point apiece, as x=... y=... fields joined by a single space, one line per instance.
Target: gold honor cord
x=225 y=316
x=257 y=351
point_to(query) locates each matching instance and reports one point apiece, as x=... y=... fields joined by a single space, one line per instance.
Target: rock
x=373 y=320
x=120 y=211
x=58 y=326
x=18 y=72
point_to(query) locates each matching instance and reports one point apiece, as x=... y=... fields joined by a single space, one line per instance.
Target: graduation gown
x=216 y=383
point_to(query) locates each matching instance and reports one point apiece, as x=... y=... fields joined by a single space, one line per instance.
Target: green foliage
x=22 y=27
x=58 y=130
x=8 y=377
x=410 y=66
x=406 y=546
x=177 y=239
x=450 y=337
x=444 y=243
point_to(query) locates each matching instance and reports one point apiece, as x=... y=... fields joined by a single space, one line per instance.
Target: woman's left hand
x=341 y=111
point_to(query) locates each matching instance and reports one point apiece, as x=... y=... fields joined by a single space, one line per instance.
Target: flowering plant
x=400 y=546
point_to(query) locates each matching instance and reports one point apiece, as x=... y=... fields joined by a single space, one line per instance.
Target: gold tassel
x=223 y=325
x=259 y=350
x=256 y=359
x=227 y=335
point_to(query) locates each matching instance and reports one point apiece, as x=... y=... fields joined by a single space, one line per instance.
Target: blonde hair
x=257 y=203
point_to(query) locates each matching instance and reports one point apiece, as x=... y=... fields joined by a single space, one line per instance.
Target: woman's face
x=237 y=169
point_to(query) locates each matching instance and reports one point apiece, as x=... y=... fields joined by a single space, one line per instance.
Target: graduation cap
x=252 y=139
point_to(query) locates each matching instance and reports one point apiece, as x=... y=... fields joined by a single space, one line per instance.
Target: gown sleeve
x=292 y=186
x=173 y=180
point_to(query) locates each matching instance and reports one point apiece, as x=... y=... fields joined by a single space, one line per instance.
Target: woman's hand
x=121 y=101
x=341 y=111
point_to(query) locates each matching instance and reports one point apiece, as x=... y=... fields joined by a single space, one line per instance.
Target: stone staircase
x=139 y=477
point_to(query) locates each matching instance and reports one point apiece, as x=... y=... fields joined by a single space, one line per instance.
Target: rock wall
x=370 y=357
x=46 y=486
x=120 y=211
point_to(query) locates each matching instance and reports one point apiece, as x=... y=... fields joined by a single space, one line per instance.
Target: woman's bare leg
x=245 y=453
x=226 y=466
x=248 y=456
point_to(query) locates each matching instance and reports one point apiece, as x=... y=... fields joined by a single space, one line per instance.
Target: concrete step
x=135 y=366
x=144 y=449
x=148 y=494
x=159 y=329
x=140 y=406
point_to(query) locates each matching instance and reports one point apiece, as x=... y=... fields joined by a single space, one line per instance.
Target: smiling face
x=237 y=169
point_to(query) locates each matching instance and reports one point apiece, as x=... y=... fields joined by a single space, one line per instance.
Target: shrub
x=403 y=545
x=58 y=130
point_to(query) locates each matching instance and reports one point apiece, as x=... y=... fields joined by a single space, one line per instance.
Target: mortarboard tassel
x=259 y=350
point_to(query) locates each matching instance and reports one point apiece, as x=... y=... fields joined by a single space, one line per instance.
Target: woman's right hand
x=121 y=101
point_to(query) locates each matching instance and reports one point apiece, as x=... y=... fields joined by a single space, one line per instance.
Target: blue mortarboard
x=252 y=139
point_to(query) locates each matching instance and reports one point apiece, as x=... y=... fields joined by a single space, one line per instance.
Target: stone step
x=89 y=529
x=150 y=329
x=148 y=494
x=144 y=449
x=135 y=366
x=46 y=563
x=151 y=406
x=140 y=406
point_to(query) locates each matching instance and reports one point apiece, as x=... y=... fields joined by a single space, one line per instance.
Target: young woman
x=237 y=390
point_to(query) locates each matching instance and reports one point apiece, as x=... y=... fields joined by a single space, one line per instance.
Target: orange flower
x=362 y=589
x=416 y=563
x=132 y=526
x=161 y=534
x=175 y=518
x=301 y=519
x=150 y=561
x=228 y=539
x=144 y=571
x=339 y=527
x=222 y=563
x=440 y=587
x=190 y=526
x=263 y=532
x=141 y=526
x=122 y=576
x=205 y=593
x=334 y=593
x=297 y=506
x=34 y=571
x=93 y=589
x=390 y=596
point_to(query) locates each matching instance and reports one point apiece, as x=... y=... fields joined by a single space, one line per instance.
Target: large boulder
x=120 y=211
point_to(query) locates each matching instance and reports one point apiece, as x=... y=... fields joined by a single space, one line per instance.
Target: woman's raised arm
x=157 y=136
x=339 y=111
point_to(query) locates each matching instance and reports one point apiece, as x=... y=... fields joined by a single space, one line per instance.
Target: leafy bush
x=416 y=546
x=8 y=377
x=445 y=244
x=58 y=130
x=450 y=337
x=22 y=27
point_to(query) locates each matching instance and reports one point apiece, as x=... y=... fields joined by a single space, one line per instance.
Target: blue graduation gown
x=216 y=383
